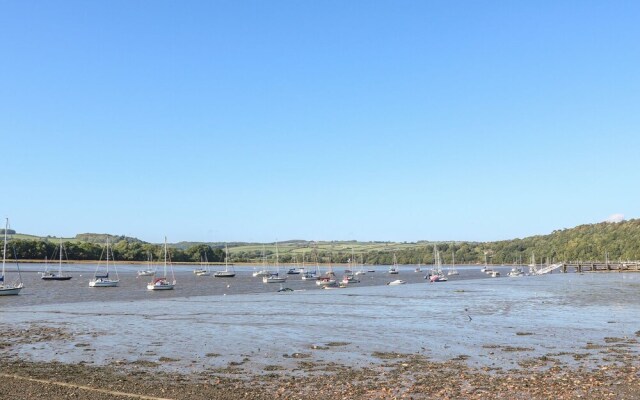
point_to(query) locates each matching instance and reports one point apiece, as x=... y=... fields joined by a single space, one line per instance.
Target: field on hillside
x=22 y=236
x=299 y=248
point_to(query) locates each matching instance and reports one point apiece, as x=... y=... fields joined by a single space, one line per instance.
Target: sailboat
x=8 y=289
x=60 y=276
x=361 y=270
x=489 y=271
x=312 y=275
x=453 y=270
x=419 y=267
x=296 y=270
x=516 y=270
x=437 y=275
x=329 y=278
x=204 y=266
x=162 y=283
x=226 y=273
x=103 y=280
x=149 y=271
x=264 y=271
x=393 y=270
x=532 y=267
x=275 y=277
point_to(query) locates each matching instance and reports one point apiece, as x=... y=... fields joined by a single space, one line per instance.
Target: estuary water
x=132 y=287
x=199 y=328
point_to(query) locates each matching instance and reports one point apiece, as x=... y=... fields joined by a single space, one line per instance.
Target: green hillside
x=621 y=241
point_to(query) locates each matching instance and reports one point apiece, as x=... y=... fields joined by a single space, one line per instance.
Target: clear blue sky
x=369 y=120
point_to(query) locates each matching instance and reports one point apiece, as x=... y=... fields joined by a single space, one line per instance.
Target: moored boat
x=102 y=279
x=52 y=276
x=226 y=273
x=275 y=277
x=9 y=289
x=162 y=282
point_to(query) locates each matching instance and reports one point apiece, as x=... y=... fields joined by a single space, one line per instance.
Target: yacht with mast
x=8 y=289
x=162 y=282
x=60 y=276
x=103 y=280
x=226 y=273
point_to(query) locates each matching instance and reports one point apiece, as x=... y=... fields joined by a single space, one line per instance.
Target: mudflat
x=560 y=336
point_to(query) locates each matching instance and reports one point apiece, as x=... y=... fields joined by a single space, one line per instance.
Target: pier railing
x=577 y=266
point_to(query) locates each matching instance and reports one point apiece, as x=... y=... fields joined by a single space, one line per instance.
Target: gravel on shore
x=395 y=376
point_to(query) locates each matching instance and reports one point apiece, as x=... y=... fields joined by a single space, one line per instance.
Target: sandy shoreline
x=394 y=376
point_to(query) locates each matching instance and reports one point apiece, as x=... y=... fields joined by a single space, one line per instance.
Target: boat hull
x=56 y=278
x=159 y=287
x=10 y=290
x=104 y=283
x=273 y=280
x=224 y=274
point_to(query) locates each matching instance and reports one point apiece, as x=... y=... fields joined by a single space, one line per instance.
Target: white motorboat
x=396 y=282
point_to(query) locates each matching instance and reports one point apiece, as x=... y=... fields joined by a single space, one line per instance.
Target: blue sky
x=319 y=120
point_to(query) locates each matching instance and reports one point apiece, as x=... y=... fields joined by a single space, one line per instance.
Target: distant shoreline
x=236 y=263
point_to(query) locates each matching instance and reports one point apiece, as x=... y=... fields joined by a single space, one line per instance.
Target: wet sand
x=558 y=336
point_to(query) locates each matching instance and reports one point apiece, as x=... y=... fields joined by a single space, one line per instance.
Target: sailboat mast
x=4 y=249
x=107 y=254
x=60 y=262
x=165 y=256
x=226 y=258
x=277 y=260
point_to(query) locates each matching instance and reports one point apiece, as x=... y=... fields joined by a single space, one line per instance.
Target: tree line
x=617 y=241
x=123 y=250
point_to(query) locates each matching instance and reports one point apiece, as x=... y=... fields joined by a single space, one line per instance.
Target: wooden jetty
x=595 y=266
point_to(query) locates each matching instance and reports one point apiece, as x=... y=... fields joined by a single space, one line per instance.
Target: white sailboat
x=312 y=275
x=393 y=270
x=437 y=275
x=60 y=276
x=453 y=270
x=329 y=278
x=516 y=270
x=162 y=282
x=533 y=268
x=204 y=269
x=103 y=280
x=226 y=273
x=264 y=271
x=8 y=289
x=487 y=270
x=275 y=277
x=349 y=276
x=149 y=271
x=361 y=271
